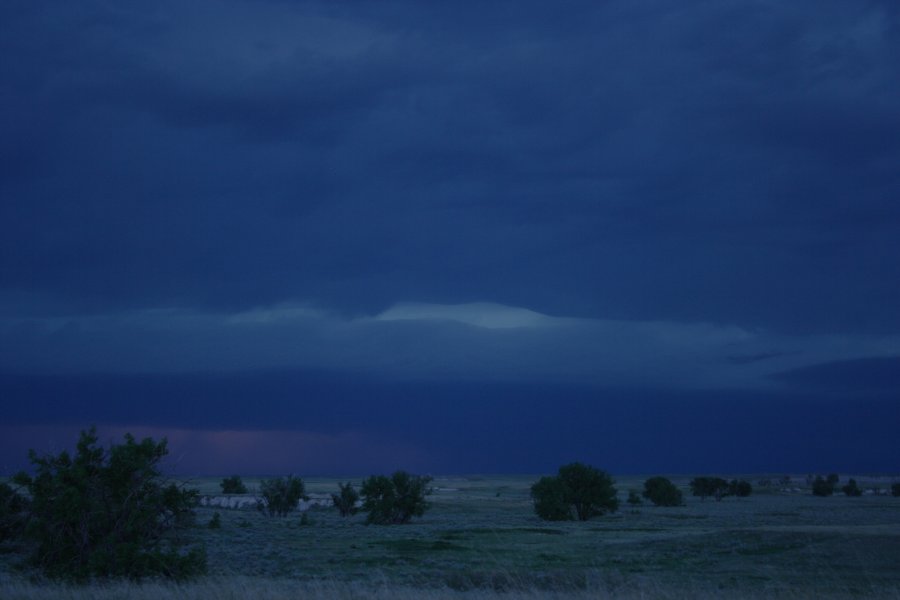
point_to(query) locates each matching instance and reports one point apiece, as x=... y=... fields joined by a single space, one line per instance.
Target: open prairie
x=481 y=538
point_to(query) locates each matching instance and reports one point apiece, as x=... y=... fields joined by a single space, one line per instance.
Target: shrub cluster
x=577 y=491
x=280 y=496
x=345 y=500
x=634 y=500
x=825 y=486
x=852 y=489
x=662 y=492
x=395 y=499
x=720 y=488
x=233 y=485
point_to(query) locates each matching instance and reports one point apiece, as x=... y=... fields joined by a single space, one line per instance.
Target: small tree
x=395 y=499
x=346 y=500
x=851 y=489
x=578 y=490
x=280 y=496
x=109 y=513
x=662 y=492
x=233 y=485
x=822 y=487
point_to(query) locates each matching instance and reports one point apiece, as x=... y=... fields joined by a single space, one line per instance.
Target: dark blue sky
x=339 y=237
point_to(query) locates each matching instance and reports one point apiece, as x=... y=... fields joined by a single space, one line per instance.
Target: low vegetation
x=475 y=537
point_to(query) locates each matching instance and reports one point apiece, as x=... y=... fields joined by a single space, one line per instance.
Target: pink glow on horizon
x=194 y=452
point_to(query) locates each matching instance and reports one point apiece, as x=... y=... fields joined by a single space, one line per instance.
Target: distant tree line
x=581 y=492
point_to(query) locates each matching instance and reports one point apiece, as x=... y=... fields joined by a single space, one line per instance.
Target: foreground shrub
x=662 y=492
x=895 y=490
x=395 y=499
x=345 y=501
x=577 y=491
x=280 y=496
x=109 y=513
x=233 y=485
x=13 y=513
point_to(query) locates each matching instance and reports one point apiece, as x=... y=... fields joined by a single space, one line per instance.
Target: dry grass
x=239 y=588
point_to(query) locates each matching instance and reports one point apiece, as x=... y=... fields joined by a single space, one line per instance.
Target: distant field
x=481 y=534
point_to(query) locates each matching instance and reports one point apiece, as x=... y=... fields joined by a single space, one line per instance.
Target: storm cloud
x=695 y=201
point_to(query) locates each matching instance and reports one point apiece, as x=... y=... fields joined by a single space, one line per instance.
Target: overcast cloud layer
x=651 y=195
x=444 y=343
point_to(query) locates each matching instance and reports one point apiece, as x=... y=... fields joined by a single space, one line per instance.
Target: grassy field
x=481 y=538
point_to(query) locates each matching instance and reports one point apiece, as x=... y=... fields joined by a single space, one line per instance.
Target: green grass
x=768 y=545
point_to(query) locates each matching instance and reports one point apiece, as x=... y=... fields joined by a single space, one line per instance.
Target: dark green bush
x=823 y=487
x=280 y=496
x=634 y=499
x=109 y=513
x=346 y=499
x=709 y=486
x=851 y=489
x=549 y=496
x=577 y=491
x=662 y=492
x=215 y=522
x=395 y=499
x=233 y=485
x=895 y=490
x=13 y=512
x=740 y=488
